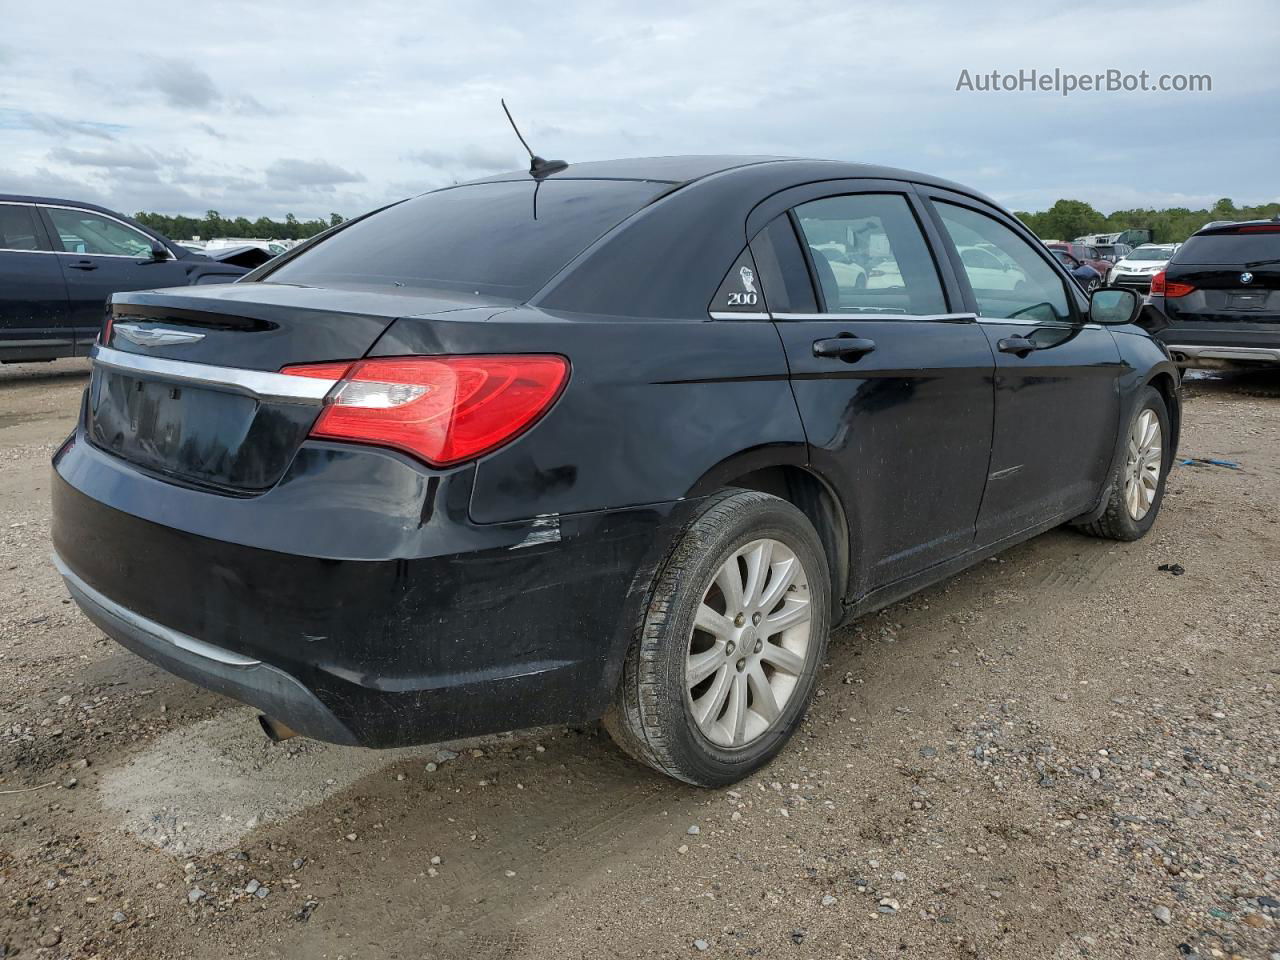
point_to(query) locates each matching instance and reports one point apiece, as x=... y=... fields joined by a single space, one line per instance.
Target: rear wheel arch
x=813 y=497
x=1166 y=383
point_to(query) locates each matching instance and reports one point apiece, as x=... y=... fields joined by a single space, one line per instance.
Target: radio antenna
x=538 y=167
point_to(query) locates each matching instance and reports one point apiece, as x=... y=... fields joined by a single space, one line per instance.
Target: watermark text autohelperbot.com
x=1066 y=83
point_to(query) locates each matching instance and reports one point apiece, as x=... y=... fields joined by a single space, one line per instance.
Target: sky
x=256 y=109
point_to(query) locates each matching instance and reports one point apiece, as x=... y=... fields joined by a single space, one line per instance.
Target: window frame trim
x=49 y=225
x=1076 y=301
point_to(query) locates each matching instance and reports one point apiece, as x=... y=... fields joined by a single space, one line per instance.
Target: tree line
x=1068 y=219
x=1065 y=220
x=213 y=224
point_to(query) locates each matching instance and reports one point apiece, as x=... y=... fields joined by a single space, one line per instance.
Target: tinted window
x=1024 y=288
x=18 y=228
x=82 y=231
x=1230 y=248
x=870 y=256
x=486 y=238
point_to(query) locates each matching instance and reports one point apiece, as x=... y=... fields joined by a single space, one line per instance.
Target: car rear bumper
x=243 y=678
x=386 y=633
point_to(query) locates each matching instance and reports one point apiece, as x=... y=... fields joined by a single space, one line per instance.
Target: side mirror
x=159 y=251
x=1114 y=305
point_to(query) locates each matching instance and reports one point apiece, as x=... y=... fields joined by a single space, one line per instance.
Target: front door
x=892 y=383
x=1057 y=397
x=101 y=256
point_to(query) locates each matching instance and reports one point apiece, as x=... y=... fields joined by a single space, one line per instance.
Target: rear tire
x=1135 y=488
x=753 y=657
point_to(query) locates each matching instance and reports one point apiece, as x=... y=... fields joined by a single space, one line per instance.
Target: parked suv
x=59 y=262
x=1221 y=296
x=467 y=464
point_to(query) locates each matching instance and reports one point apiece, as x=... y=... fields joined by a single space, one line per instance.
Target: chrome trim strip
x=256 y=383
x=853 y=317
x=150 y=627
x=1226 y=353
x=1055 y=325
x=743 y=315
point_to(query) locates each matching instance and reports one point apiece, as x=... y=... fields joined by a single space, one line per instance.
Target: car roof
x=681 y=170
x=59 y=202
x=1233 y=226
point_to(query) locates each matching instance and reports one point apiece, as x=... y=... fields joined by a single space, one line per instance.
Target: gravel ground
x=1064 y=752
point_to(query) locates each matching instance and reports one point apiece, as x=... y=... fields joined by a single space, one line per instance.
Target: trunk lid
x=187 y=385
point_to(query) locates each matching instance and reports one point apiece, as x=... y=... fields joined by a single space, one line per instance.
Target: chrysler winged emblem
x=1246 y=277
x=155 y=336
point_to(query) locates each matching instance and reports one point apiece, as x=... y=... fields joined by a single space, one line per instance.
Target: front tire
x=725 y=661
x=1135 y=488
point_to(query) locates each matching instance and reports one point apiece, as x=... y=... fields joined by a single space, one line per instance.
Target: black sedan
x=61 y=259
x=620 y=440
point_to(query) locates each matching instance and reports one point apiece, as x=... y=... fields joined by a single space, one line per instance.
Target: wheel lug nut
x=742 y=665
x=759 y=646
x=756 y=618
x=729 y=647
x=739 y=620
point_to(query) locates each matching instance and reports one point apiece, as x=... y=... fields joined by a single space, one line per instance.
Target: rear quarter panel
x=654 y=411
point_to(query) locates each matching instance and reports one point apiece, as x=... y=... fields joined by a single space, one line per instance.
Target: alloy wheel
x=749 y=644
x=1142 y=465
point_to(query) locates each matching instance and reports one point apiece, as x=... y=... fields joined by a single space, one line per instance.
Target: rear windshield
x=1230 y=248
x=502 y=239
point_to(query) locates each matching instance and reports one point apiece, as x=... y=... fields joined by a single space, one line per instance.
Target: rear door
x=891 y=376
x=99 y=256
x=33 y=296
x=1057 y=404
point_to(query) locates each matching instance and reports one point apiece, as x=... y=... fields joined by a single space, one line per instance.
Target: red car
x=1084 y=254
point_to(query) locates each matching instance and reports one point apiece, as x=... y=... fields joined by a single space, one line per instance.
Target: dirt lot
x=1064 y=752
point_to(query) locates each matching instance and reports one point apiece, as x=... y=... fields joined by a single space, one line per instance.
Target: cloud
x=251 y=111
x=287 y=174
x=470 y=157
x=182 y=85
x=128 y=158
x=211 y=131
x=56 y=126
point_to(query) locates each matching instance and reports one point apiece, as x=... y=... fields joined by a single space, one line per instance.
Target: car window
x=18 y=228
x=1026 y=289
x=870 y=256
x=82 y=231
x=505 y=239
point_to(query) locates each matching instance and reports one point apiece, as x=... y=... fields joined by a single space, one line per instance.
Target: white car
x=989 y=271
x=1140 y=265
x=273 y=247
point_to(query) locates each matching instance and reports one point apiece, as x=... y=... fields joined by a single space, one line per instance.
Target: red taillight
x=443 y=410
x=1260 y=228
x=1162 y=286
x=104 y=337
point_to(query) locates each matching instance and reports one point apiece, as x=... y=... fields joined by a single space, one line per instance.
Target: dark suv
x=1221 y=296
x=59 y=262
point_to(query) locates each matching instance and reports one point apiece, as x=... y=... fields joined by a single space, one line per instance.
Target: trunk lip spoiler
x=261 y=384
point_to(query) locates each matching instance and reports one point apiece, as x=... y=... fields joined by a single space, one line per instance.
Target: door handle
x=1019 y=346
x=846 y=347
x=83 y=265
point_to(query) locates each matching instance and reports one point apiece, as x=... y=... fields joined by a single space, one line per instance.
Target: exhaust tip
x=274 y=729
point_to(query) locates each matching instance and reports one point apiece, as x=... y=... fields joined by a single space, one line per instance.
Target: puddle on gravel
x=199 y=789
